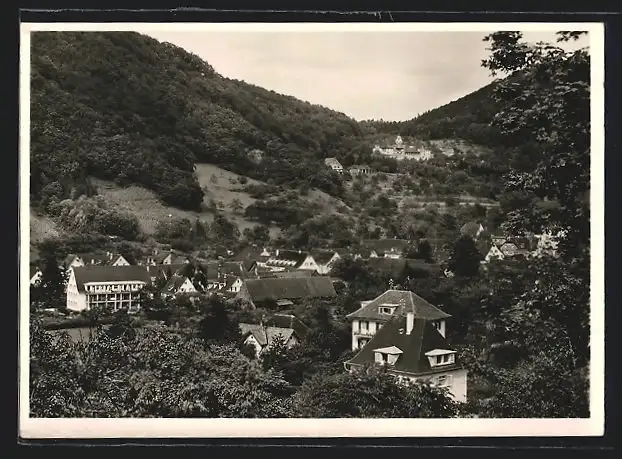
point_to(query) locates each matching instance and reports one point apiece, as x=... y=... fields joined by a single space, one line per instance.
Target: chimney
x=410 y=322
x=276 y=252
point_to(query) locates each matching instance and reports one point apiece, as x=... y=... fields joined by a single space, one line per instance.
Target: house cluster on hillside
x=398 y=329
x=399 y=151
x=360 y=169
x=502 y=247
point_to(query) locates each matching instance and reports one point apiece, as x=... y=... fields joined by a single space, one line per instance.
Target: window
x=444 y=359
x=380 y=357
x=364 y=325
x=385 y=310
x=442 y=380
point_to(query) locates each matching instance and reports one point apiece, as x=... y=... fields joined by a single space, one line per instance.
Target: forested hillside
x=123 y=106
x=472 y=118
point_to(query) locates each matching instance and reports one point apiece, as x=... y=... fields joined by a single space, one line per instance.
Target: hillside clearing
x=41 y=228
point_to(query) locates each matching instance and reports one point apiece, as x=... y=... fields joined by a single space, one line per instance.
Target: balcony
x=364 y=333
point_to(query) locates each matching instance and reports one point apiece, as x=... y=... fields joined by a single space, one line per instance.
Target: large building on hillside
x=110 y=287
x=399 y=151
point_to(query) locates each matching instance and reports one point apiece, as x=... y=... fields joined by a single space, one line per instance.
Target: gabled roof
x=232 y=268
x=287 y=321
x=69 y=258
x=34 y=270
x=423 y=338
x=86 y=274
x=292 y=256
x=332 y=162
x=265 y=335
x=322 y=257
x=160 y=270
x=289 y=288
x=405 y=300
x=175 y=283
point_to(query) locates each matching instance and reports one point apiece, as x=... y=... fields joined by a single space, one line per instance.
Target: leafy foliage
x=372 y=394
x=151 y=118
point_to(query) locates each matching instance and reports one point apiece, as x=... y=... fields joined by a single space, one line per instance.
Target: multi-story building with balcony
x=110 y=287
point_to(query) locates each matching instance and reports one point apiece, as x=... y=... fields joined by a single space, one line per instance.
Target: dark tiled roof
x=265 y=335
x=423 y=338
x=159 y=270
x=174 y=283
x=289 y=288
x=234 y=268
x=288 y=321
x=293 y=256
x=294 y=273
x=407 y=301
x=85 y=274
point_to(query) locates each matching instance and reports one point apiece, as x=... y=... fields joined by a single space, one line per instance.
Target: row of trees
x=160 y=371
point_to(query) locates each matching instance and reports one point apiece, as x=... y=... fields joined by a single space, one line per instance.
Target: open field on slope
x=41 y=227
x=149 y=209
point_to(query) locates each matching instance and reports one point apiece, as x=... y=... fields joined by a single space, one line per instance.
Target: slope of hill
x=122 y=106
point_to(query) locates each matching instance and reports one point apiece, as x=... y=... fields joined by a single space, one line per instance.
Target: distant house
x=261 y=337
x=110 y=287
x=387 y=248
x=412 y=346
x=510 y=247
x=361 y=170
x=546 y=245
x=99 y=259
x=325 y=260
x=494 y=254
x=373 y=314
x=233 y=284
x=178 y=285
x=35 y=275
x=333 y=164
x=399 y=151
x=165 y=271
x=170 y=258
x=285 y=291
x=119 y=260
x=72 y=260
x=472 y=229
x=282 y=260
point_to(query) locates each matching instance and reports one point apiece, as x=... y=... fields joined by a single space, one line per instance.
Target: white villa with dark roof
x=410 y=342
x=372 y=315
x=110 y=287
x=282 y=260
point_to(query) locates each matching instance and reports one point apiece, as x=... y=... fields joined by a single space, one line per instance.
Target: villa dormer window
x=387 y=355
x=386 y=310
x=441 y=357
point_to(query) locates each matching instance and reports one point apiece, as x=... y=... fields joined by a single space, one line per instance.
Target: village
x=412 y=347
x=208 y=245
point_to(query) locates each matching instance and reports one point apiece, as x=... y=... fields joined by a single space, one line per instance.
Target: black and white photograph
x=311 y=229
